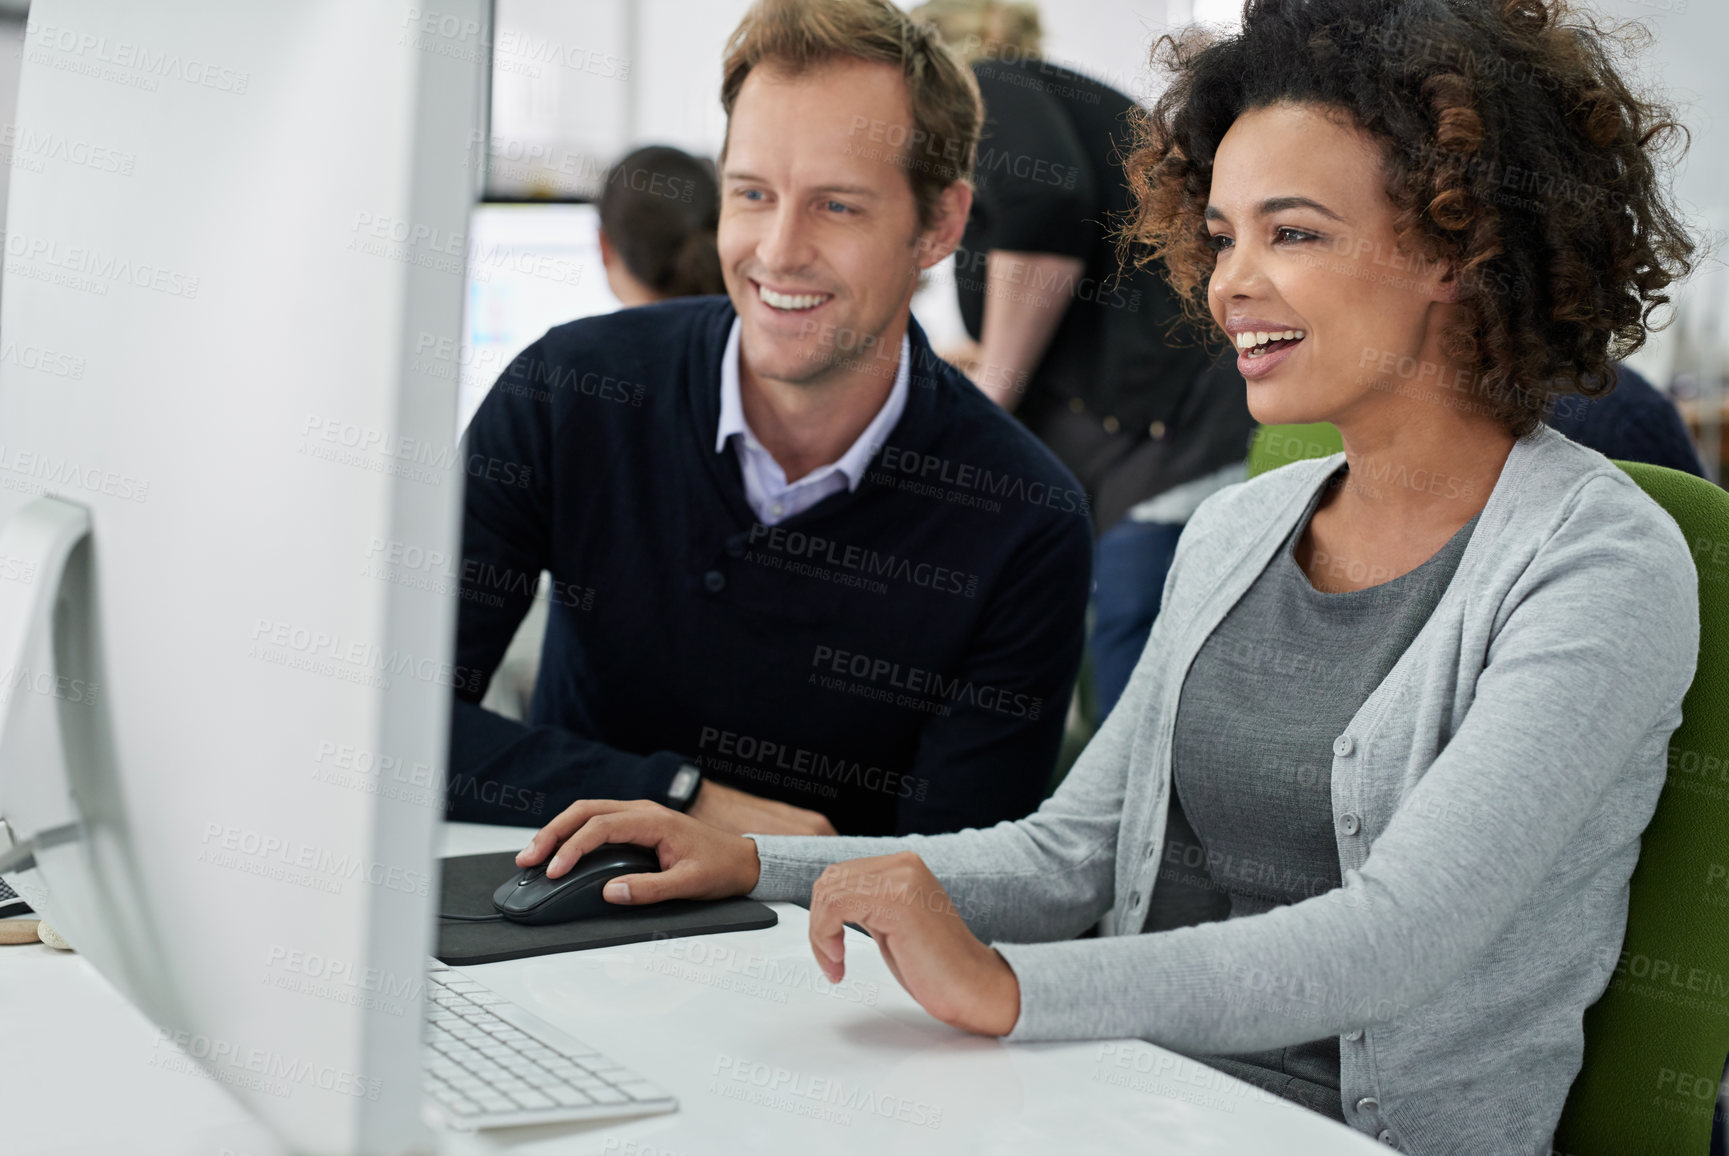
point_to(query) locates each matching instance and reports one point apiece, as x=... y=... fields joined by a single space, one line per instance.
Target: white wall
x=577 y=85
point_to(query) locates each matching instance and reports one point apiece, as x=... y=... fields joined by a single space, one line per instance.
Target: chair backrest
x=1656 y=1042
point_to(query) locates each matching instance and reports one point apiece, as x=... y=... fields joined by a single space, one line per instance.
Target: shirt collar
x=857 y=458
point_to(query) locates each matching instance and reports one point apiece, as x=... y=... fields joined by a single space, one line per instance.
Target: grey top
x=1252 y=752
x=1488 y=799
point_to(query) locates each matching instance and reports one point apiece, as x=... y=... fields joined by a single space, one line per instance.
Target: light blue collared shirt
x=765 y=484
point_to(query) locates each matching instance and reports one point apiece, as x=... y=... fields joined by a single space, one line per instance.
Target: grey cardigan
x=1488 y=801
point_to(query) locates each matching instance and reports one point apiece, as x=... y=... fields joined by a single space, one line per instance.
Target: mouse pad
x=470 y=880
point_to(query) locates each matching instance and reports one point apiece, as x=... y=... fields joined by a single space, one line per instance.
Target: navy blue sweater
x=898 y=657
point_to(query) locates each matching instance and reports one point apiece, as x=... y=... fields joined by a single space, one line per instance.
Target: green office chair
x=1655 y=1043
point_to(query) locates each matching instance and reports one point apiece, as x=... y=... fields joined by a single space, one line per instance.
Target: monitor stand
x=65 y=844
x=36 y=803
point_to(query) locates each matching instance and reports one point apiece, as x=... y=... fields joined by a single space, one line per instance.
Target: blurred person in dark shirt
x=1087 y=350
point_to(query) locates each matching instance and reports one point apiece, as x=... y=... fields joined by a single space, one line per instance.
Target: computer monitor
x=226 y=686
x=530 y=267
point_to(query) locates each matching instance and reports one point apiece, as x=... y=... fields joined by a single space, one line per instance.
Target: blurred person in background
x=1093 y=357
x=659 y=210
x=1633 y=422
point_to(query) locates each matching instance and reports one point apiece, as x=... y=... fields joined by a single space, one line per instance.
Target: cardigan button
x=1344 y=745
x=1368 y=1104
x=1386 y=1137
x=735 y=547
x=1350 y=824
x=1156 y=430
x=1111 y=424
x=715 y=581
x=1354 y=1034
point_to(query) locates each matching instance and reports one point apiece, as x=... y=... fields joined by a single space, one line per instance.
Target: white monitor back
x=246 y=220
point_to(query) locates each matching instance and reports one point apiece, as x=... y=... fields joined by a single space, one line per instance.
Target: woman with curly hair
x=1361 y=827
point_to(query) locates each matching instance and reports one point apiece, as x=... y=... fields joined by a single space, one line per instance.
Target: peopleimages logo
x=97 y=55
x=226 y=1060
x=91 y=270
x=64 y=474
x=982 y=480
x=818 y=1097
x=919 y=681
x=244 y=843
x=813 y=765
x=862 y=560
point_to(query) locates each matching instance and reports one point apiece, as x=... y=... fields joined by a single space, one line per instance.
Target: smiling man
x=805 y=577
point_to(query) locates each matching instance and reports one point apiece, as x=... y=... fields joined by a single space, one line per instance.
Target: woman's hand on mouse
x=923 y=939
x=697 y=861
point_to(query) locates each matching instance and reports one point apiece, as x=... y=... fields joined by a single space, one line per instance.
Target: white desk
x=762 y=1055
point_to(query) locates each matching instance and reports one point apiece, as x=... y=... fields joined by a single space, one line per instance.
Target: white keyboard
x=490 y=1064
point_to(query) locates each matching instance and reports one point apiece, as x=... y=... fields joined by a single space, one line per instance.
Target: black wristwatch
x=685 y=784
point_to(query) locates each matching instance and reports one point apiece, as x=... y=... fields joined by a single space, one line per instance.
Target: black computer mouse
x=530 y=897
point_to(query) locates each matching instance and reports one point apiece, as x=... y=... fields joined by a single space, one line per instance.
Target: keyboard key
x=641 y=1090
x=574 y=1049
x=606 y=1094
x=528 y=1098
x=569 y=1097
x=612 y=1074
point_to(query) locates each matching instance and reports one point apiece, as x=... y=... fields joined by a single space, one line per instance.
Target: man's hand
x=738 y=811
x=927 y=945
x=697 y=861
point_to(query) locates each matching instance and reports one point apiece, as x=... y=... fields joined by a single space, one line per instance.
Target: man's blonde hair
x=791 y=36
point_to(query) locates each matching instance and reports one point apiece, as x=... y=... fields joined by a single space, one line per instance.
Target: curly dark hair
x=1513 y=150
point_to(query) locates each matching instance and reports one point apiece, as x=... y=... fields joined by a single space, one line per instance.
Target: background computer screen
x=530 y=267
